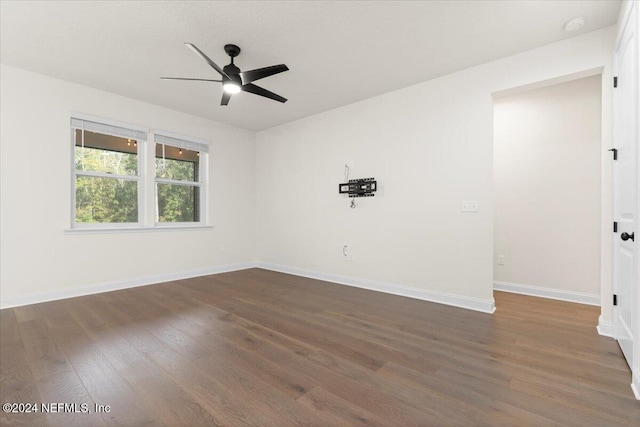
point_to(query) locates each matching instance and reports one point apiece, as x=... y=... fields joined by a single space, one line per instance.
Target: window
x=114 y=187
x=106 y=173
x=179 y=167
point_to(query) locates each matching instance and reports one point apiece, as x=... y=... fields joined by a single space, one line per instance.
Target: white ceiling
x=338 y=52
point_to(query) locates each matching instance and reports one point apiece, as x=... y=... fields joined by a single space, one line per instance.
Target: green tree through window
x=177 y=187
x=177 y=203
x=104 y=192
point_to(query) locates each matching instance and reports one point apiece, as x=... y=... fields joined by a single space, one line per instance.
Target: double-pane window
x=179 y=179
x=106 y=173
x=110 y=188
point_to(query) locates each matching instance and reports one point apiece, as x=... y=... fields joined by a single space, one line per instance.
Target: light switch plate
x=469 y=206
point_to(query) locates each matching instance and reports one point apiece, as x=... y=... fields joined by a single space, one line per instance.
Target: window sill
x=114 y=230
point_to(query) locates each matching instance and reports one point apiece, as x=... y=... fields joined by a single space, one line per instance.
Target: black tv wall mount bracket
x=364 y=187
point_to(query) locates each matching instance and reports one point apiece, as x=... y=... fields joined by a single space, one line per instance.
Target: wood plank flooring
x=267 y=349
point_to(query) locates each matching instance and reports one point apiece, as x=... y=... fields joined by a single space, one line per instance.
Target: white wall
x=38 y=257
x=547 y=155
x=430 y=147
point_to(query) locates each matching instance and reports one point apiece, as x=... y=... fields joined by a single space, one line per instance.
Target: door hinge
x=615 y=153
x=615 y=226
x=615 y=299
x=615 y=81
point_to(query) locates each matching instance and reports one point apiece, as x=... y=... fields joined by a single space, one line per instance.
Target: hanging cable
x=82 y=150
x=164 y=161
x=346 y=179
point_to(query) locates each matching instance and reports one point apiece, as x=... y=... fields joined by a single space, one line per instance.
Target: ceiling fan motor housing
x=233 y=72
x=232 y=50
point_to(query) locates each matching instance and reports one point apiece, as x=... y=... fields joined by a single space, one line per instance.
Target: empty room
x=319 y=213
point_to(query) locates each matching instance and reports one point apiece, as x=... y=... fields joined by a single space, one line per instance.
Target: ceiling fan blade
x=206 y=58
x=260 y=73
x=188 y=78
x=257 y=90
x=225 y=98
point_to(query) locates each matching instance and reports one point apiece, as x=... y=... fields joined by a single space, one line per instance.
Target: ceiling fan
x=233 y=80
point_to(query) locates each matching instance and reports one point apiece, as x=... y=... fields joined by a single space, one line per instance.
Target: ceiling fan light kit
x=233 y=79
x=231 y=87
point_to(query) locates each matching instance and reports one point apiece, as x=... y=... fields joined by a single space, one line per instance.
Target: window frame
x=147 y=199
x=139 y=178
x=187 y=143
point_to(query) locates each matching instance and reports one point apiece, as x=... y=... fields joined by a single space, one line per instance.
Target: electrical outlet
x=469 y=206
x=222 y=248
x=500 y=259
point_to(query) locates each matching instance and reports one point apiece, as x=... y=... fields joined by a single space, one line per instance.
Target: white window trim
x=146 y=201
x=108 y=175
x=108 y=122
x=135 y=229
x=180 y=182
x=185 y=138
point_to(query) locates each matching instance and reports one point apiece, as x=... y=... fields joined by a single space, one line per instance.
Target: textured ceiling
x=338 y=52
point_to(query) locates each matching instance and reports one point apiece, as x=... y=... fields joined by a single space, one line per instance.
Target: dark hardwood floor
x=261 y=348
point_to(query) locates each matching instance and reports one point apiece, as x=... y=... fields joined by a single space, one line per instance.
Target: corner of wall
x=254 y=250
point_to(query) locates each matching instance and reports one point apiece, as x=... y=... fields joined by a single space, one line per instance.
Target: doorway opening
x=548 y=191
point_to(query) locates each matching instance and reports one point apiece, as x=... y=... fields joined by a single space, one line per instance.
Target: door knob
x=626 y=236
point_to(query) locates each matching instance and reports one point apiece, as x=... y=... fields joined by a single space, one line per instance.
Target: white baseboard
x=477 y=304
x=635 y=383
x=537 y=291
x=605 y=328
x=118 y=285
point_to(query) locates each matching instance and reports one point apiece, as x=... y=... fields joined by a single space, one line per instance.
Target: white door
x=625 y=123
